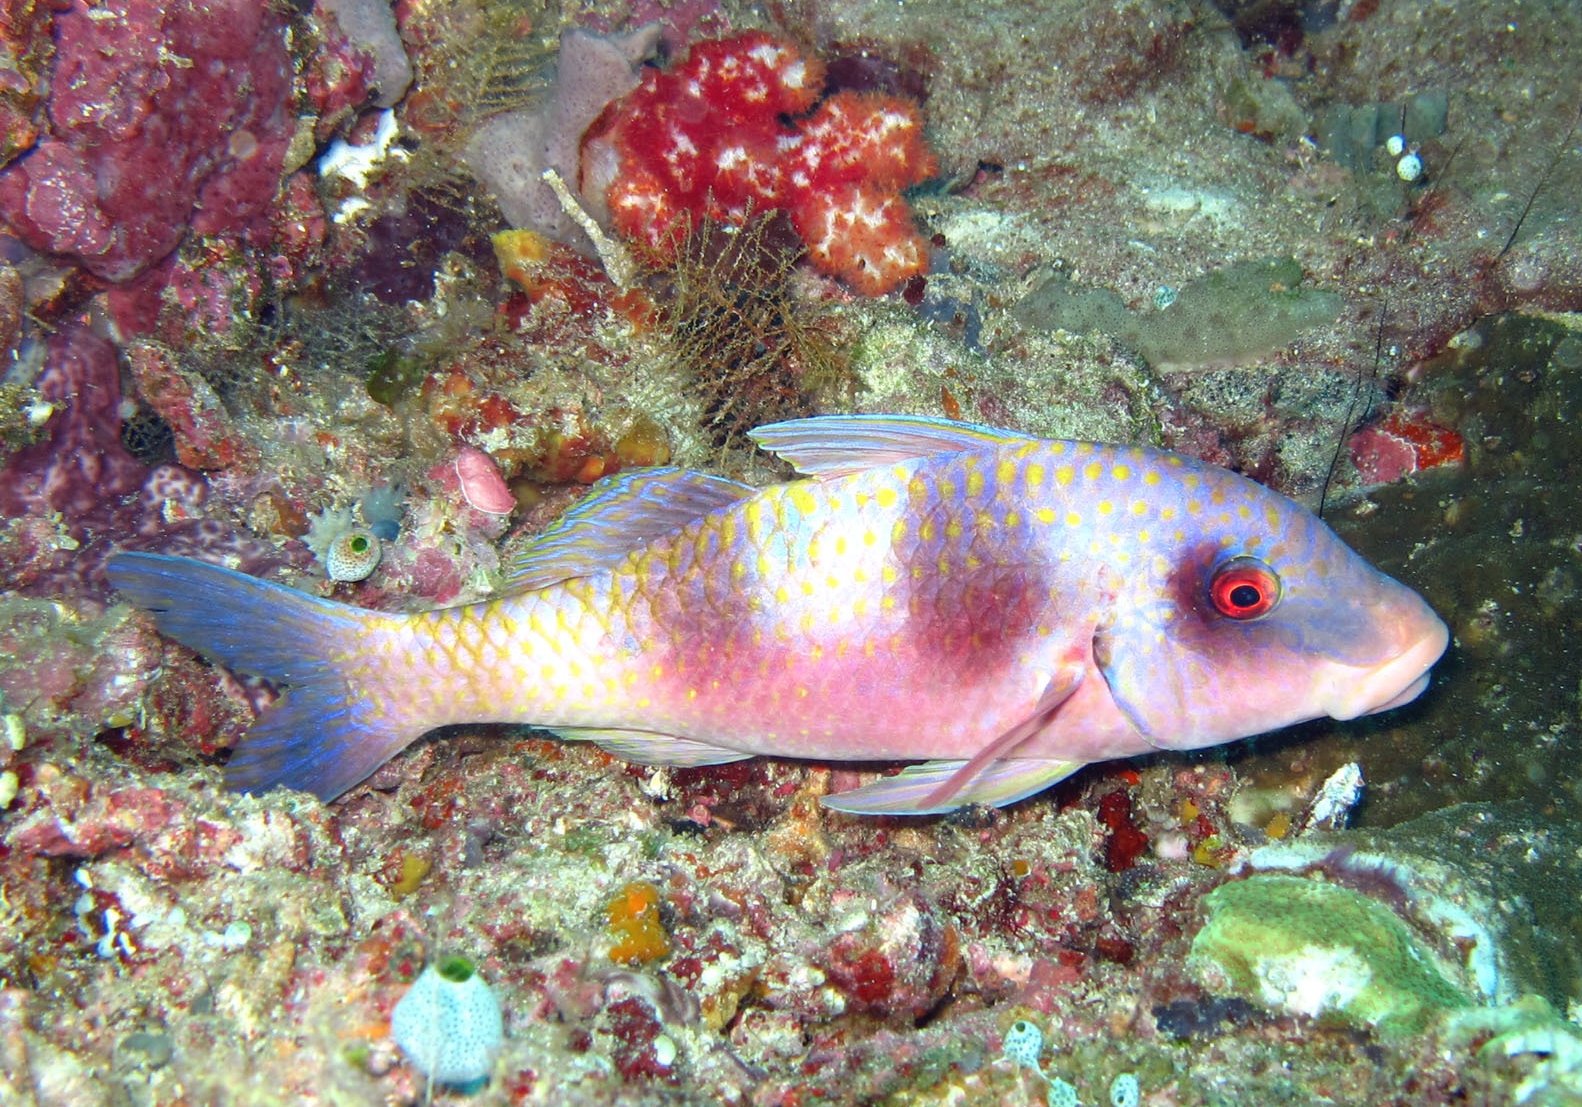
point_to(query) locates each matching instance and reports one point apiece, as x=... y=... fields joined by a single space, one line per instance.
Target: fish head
x=1259 y=622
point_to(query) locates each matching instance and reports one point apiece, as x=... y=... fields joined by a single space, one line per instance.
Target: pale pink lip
x=1397 y=681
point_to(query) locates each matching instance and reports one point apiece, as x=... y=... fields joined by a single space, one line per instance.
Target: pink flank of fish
x=1003 y=609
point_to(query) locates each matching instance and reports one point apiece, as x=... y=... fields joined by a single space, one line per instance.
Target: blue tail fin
x=316 y=737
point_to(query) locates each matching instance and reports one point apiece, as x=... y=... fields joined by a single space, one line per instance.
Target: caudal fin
x=317 y=737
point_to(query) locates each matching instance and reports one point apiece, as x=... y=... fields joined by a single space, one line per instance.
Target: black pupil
x=1245 y=595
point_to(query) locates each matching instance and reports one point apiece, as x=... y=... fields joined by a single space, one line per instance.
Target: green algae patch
x=1309 y=948
x=1228 y=317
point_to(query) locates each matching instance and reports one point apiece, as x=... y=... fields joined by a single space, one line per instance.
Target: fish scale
x=1003 y=609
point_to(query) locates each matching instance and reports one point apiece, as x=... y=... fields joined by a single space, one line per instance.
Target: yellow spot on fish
x=887 y=603
x=1092 y=470
x=869 y=538
x=953 y=529
x=807 y=588
x=885 y=497
x=1057 y=448
x=692 y=693
x=1044 y=515
x=1073 y=519
x=926 y=531
x=1005 y=472
x=1243 y=511
x=1139 y=508
x=1012 y=519
x=888 y=574
x=898 y=532
x=1167 y=513
x=1035 y=475
x=782 y=594
x=803 y=499
x=974 y=481
x=840 y=545
x=1194 y=507
x=1065 y=475
x=657 y=671
x=1121 y=472
x=1105 y=507
x=1151 y=477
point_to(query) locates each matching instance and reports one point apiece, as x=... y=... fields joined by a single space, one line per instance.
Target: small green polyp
x=1310 y=948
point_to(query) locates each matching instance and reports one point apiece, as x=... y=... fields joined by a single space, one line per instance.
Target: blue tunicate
x=1125 y=1091
x=1164 y=296
x=449 y=1024
x=382 y=508
x=1023 y=1044
x=1062 y=1094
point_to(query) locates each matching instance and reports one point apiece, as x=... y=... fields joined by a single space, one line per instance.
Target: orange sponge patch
x=634 y=922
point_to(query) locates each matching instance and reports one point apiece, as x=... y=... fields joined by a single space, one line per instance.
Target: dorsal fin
x=830 y=446
x=619 y=514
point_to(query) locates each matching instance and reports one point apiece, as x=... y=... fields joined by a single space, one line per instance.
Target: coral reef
x=250 y=303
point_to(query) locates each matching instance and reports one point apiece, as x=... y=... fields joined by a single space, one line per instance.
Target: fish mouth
x=1398 y=681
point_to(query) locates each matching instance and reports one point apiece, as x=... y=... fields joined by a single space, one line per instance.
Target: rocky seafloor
x=253 y=300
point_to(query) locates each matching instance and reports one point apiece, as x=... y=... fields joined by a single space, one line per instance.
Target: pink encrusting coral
x=78 y=492
x=143 y=143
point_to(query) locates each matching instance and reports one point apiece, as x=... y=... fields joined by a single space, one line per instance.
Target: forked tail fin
x=317 y=737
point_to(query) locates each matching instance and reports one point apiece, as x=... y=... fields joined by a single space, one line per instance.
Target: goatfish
x=1002 y=609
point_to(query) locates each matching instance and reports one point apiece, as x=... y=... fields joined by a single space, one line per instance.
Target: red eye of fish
x=1244 y=588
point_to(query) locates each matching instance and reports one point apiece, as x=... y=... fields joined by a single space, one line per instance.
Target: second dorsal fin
x=620 y=514
x=829 y=446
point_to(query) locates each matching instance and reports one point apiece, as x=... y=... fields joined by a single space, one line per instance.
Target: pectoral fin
x=907 y=793
x=991 y=777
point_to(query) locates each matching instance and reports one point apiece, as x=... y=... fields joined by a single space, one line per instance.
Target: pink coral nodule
x=482 y=486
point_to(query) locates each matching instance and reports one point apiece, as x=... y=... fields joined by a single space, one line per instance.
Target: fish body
x=1004 y=609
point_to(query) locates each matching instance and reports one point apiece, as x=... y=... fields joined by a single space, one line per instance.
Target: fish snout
x=1402 y=677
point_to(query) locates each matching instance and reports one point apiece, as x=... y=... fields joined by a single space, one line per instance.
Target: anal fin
x=642 y=747
x=908 y=792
